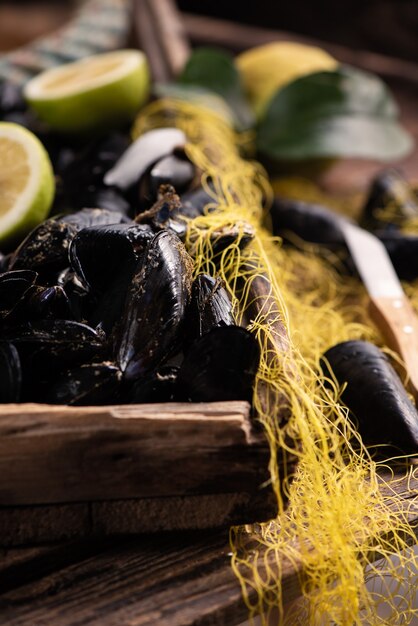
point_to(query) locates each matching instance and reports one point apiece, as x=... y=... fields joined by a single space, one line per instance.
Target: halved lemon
x=98 y=91
x=26 y=182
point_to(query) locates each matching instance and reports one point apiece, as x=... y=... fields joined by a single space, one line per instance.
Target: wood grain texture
x=175 y=579
x=61 y=454
x=79 y=472
x=398 y=323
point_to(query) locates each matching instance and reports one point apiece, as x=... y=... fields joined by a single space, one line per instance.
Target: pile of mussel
x=101 y=305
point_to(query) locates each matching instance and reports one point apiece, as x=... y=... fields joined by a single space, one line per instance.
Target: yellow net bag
x=341 y=514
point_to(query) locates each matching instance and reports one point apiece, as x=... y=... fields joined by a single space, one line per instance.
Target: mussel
x=46 y=247
x=96 y=383
x=209 y=307
x=220 y=365
x=378 y=402
x=293 y=219
x=389 y=189
x=100 y=254
x=155 y=306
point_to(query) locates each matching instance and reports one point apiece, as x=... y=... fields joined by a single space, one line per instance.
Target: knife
x=389 y=306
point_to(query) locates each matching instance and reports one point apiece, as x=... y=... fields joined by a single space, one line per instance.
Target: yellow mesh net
x=341 y=512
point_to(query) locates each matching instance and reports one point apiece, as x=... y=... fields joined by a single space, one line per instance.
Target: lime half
x=98 y=91
x=26 y=182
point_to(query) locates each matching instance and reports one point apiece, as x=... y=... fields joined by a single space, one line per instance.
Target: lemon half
x=100 y=90
x=26 y=182
x=265 y=69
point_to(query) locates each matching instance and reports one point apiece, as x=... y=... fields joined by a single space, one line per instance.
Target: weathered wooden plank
x=77 y=472
x=26 y=525
x=61 y=454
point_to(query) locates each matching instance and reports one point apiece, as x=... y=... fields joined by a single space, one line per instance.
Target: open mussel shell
x=158 y=386
x=221 y=365
x=155 y=306
x=46 y=247
x=378 y=402
x=4 y=262
x=209 y=307
x=100 y=254
x=142 y=154
x=10 y=373
x=96 y=383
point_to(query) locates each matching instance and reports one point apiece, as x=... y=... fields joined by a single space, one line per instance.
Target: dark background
x=387 y=26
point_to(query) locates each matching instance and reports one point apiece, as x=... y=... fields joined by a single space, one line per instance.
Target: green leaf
x=215 y=71
x=343 y=113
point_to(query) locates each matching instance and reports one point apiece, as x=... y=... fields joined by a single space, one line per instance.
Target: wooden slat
x=61 y=454
x=78 y=472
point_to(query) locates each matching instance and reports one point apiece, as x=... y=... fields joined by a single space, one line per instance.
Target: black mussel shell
x=403 y=252
x=46 y=247
x=151 y=326
x=101 y=254
x=55 y=340
x=389 y=189
x=80 y=300
x=10 y=373
x=318 y=224
x=311 y=222
x=172 y=170
x=221 y=365
x=209 y=306
x=195 y=201
x=109 y=199
x=13 y=286
x=96 y=383
x=158 y=386
x=39 y=303
x=377 y=400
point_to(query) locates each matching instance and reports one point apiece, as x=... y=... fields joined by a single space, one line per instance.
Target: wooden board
x=181 y=579
x=73 y=472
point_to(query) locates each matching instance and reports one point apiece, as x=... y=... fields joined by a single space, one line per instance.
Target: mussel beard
x=155 y=306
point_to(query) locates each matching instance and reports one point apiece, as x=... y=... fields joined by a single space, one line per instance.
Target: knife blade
x=389 y=306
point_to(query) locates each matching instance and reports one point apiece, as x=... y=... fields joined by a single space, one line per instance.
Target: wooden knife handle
x=398 y=322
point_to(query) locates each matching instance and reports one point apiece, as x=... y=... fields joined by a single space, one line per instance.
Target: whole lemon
x=265 y=69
